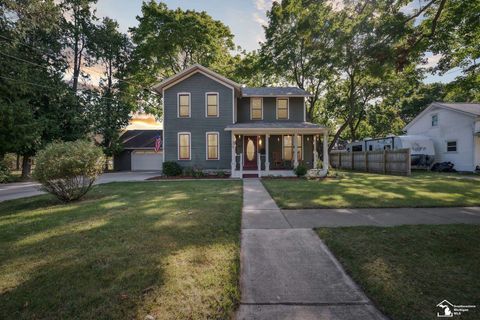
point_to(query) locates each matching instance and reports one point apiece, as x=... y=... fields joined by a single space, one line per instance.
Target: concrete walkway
x=9 y=191
x=313 y=218
x=288 y=273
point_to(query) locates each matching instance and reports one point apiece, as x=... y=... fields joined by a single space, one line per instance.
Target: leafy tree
x=300 y=46
x=36 y=106
x=78 y=24
x=366 y=42
x=111 y=112
x=168 y=41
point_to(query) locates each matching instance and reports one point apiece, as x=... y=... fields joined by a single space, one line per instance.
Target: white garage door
x=146 y=160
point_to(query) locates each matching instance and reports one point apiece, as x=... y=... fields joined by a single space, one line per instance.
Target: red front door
x=250 y=153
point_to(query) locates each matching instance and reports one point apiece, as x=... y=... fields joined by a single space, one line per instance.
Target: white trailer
x=421 y=147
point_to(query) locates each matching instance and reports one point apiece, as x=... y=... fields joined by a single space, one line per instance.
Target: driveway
x=9 y=191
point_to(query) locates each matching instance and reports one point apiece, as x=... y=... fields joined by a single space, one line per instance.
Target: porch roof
x=276 y=127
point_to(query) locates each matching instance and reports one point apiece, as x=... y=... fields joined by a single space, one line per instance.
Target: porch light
x=260 y=141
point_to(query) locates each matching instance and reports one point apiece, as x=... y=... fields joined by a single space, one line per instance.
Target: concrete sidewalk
x=313 y=218
x=288 y=273
x=9 y=191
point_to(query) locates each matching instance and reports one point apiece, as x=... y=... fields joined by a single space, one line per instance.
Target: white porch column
x=267 y=157
x=295 y=150
x=234 y=154
x=315 y=154
x=325 y=151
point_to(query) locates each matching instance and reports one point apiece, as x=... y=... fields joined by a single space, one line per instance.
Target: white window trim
x=431 y=119
x=251 y=105
x=206 y=145
x=189 y=146
x=446 y=146
x=288 y=107
x=206 y=104
x=189 y=104
x=293 y=146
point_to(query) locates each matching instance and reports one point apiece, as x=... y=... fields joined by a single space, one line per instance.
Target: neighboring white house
x=455 y=131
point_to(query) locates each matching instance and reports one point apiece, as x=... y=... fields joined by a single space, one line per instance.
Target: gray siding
x=197 y=85
x=296 y=110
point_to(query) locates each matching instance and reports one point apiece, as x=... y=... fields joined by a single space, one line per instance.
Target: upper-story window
x=256 y=108
x=184 y=105
x=434 y=120
x=211 y=104
x=282 y=108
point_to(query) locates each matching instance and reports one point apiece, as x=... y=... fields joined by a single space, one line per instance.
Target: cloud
x=260 y=20
x=263 y=5
x=432 y=61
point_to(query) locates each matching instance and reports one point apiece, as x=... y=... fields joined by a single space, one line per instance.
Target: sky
x=244 y=17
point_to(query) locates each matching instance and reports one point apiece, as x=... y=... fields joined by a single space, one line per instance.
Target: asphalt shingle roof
x=473 y=108
x=140 y=139
x=274 y=91
x=275 y=125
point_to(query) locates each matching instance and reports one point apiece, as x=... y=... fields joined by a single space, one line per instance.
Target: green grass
x=364 y=190
x=408 y=270
x=169 y=249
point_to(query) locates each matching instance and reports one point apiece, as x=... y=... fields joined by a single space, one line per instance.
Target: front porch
x=278 y=151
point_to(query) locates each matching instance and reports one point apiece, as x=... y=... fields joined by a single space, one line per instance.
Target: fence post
x=366 y=161
x=384 y=161
x=409 y=163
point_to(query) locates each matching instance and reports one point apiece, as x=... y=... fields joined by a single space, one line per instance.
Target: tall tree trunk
x=17 y=165
x=26 y=167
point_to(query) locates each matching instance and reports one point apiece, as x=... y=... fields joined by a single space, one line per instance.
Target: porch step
x=250 y=175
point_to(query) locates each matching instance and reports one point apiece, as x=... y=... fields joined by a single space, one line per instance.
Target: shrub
x=4 y=172
x=300 y=170
x=69 y=169
x=171 y=168
x=187 y=172
x=198 y=173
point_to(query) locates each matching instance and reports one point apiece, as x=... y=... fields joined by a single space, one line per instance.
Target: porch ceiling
x=276 y=127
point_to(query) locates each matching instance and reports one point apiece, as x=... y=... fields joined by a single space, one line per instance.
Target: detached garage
x=139 y=151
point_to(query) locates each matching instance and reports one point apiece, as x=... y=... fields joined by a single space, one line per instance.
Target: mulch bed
x=188 y=177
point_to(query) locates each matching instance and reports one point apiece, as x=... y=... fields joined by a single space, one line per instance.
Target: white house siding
x=452 y=126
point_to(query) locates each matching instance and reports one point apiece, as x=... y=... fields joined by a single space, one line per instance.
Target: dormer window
x=282 y=109
x=256 y=109
x=434 y=120
x=183 y=105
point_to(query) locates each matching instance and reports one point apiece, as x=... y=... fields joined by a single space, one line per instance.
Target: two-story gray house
x=211 y=122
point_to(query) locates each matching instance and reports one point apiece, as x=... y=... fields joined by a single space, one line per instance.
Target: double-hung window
x=211 y=104
x=434 y=120
x=289 y=147
x=256 y=108
x=282 y=108
x=184 y=146
x=184 y=105
x=212 y=146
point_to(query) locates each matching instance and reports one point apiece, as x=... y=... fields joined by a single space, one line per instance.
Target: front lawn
x=168 y=249
x=364 y=190
x=408 y=270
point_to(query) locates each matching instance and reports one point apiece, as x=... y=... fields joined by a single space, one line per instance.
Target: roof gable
x=471 y=109
x=165 y=84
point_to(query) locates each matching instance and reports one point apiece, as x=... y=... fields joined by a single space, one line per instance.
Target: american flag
x=158 y=143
